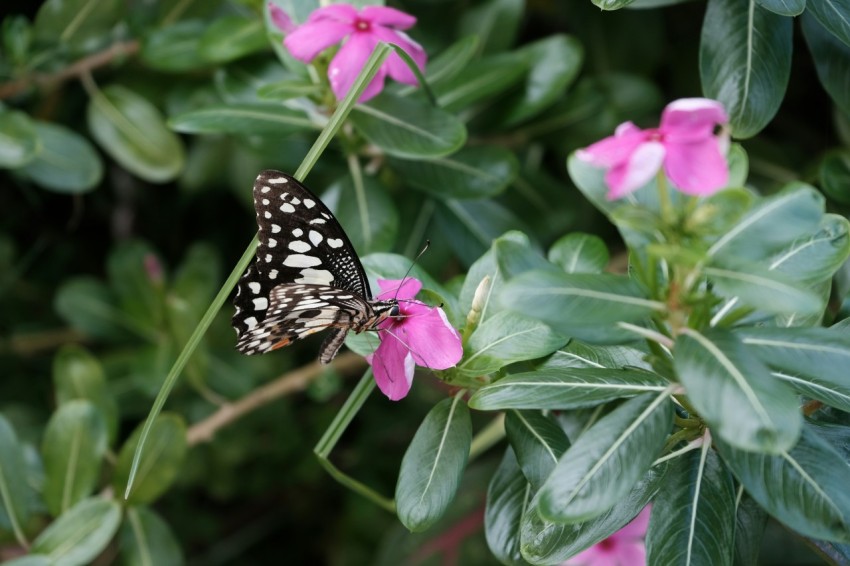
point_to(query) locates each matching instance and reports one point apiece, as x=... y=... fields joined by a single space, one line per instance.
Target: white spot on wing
x=295 y=200
x=335 y=242
x=298 y=232
x=273 y=274
x=254 y=286
x=278 y=180
x=267 y=214
x=299 y=246
x=261 y=304
x=251 y=322
x=265 y=202
x=275 y=228
x=286 y=207
x=317 y=221
x=315 y=277
x=272 y=242
x=301 y=260
x=264 y=190
x=315 y=237
x=309 y=203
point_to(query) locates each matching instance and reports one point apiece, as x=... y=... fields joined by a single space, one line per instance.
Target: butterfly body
x=306 y=276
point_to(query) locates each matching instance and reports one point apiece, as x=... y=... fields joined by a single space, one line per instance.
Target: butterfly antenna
x=409 y=269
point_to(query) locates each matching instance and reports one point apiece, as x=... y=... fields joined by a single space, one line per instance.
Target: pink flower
x=419 y=335
x=624 y=548
x=685 y=144
x=363 y=30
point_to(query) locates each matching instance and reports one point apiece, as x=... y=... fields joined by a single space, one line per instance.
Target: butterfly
x=306 y=276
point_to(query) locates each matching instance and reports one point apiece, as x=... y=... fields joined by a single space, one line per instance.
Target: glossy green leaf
x=505 y=338
x=774 y=223
x=450 y=62
x=66 y=162
x=243 y=118
x=805 y=488
x=544 y=542
x=136 y=276
x=231 y=37
x=538 y=443
x=88 y=305
x=507 y=498
x=565 y=388
x=161 y=460
x=750 y=520
x=78 y=375
x=79 y=535
x=30 y=560
x=734 y=392
x=147 y=540
x=174 y=48
x=495 y=22
x=288 y=88
x=831 y=57
x=410 y=128
x=515 y=257
x=73 y=447
x=745 y=62
x=579 y=253
x=471 y=172
x=14 y=490
x=577 y=354
x=606 y=461
x=470 y=226
x=554 y=64
x=815 y=258
x=568 y=301
x=834 y=15
x=242 y=82
x=133 y=132
x=19 y=142
x=835 y=176
x=481 y=80
x=784 y=7
x=370 y=217
x=433 y=465
x=74 y=21
x=693 y=517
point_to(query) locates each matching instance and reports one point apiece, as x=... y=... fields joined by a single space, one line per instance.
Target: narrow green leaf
x=30 y=560
x=758 y=287
x=79 y=535
x=14 y=490
x=835 y=176
x=734 y=392
x=133 y=132
x=834 y=15
x=78 y=375
x=515 y=257
x=815 y=258
x=19 y=143
x=784 y=7
x=831 y=57
x=471 y=172
x=693 y=517
x=449 y=62
x=538 y=443
x=577 y=354
x=370 y=217
x=243 y=118
x=404 y=127
x=433 y=465
x=745 y=62
x=607 y=460
x=507 y=498
x=481 y=80
x=470 y=226
x=73 y=447
x=160 y=462
x=66 y=163
x=74 y=21
x=579 y=253
x=174 y=48
x=288 y=88
x=505 y=338
x=147 y=540
x=565 y=388
x=495 y=22
x=231 y=37
x=804 y=488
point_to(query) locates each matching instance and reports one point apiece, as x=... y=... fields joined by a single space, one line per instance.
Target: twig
x=292 y=382
x=81 y=67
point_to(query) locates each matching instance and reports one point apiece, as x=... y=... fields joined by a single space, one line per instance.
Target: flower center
x=608 y=544
x=361 y=25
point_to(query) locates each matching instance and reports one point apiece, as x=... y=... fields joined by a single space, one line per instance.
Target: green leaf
x=287 y=89
x=507 y=498
x=74 y=21
x=515 y=257
x=19 y=142
x=565 y=388
x=538 y=443
x=30 y=560
x=133 y=132
x=734 y=392
x=174 y=48
x=834 y=15
x=79 y=535
x=73 y=447
x=804 y=488
x=244 y=118
x=78 y=375
x=544 y=542
x=577 y=354
x=165 y=448
x=195 y=284
x=750 y=520
x=471 y=172
x=232 y=37
x=579 y=253
x=831 y=57
x=482 y=80
x=449 y=62
x=409 y=128
x=242 y=82
x=569 y=301
x=815 y=258
x=135 y=274
x=606 y=461
x=371 y=221
x=471 y=226
x=762 y=289
x=14 y=490
x=693 y=517
x=784 y=7
x=16 y=34
x=505 y=338
x=495 y=22
x=433 y=465
x=486 y=266
x=147 y=540
x=88 y=305
x=745 y=62
x=554 y=63
x=835 y=176
x=66 y=162
x=774 y=223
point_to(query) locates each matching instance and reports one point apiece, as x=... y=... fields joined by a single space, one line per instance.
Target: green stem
x=667 y=212
x=360 y=194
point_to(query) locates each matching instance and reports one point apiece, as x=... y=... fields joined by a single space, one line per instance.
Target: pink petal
x=349 y=61
x=281 y=19
x=393 y=367
x=637 y=527
x=312 y=38
x=596 y=555
x=632 y=553
x=615 y=149
x=339 y=12
x=432 y=340
x=396 y=66
x=691 y=119
x=697 y=168
x=406 y=288
x=629 y=175
x=387 y=17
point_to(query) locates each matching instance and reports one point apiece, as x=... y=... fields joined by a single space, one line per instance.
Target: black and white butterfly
x=306 y=276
